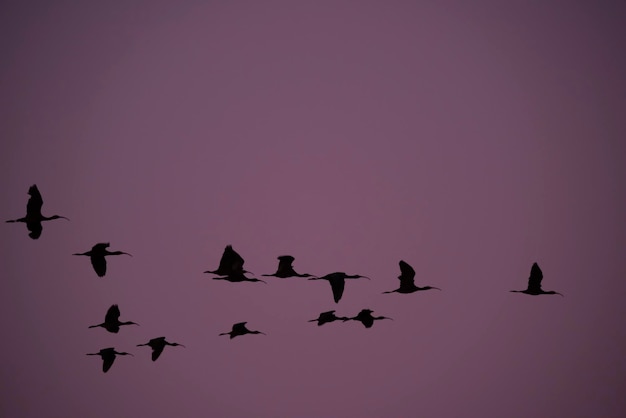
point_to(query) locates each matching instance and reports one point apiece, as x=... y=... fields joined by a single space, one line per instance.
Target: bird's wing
x=100 y=247
x=285 y=267
x=240 y=326
x=337 y=285
x=236 y=261
x=407 y=275
x=156 y=352
x=99 y=264
x=231 y=261
x=35 y=202
x=112 y=315
x=107 y=361
x=34 y=228
x=536 y=275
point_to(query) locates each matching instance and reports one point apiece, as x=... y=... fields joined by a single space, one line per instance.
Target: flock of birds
x=231 y=269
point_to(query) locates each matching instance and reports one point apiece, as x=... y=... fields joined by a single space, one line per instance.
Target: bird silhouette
x=285 y=268
x=337 y=282
x=407 y=280
x=112 y=320
x=366 y=318
x=534 y=283
x=108 y=356
x=34 y=218
x=97 y=254
x=157 y=345
x=326 y=317
x=231 y=262
x=240 y=329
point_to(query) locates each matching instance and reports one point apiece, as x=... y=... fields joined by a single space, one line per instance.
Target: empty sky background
x=470 y=139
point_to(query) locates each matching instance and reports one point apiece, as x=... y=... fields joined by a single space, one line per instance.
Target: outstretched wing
x=112 y=315
x=337 y=285
x=285 y=268
x=99 y=264
x=239 y=327
x=107 y=361
x=407 y=276
x=156 y=351
x=35 y=228
x=35 y=202
x=231 y=261
x=534 y=281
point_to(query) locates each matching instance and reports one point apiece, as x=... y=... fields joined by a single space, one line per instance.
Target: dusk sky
x=470 y=139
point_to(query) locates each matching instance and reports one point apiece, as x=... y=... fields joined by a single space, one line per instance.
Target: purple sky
x=470 y=139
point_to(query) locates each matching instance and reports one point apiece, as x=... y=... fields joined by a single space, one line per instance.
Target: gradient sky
x=470 y=139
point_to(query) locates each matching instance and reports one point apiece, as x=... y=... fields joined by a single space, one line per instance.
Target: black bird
x=231 y=262
x=407 y=280
x=97 y=254
x=337 y=282
x=534 y=283
x=285 y=268
x=157 y=345
x=108 y=357
x=34 y=218
x=366 y=318
x=112 y=320
x=240 y=329
x=326 y=317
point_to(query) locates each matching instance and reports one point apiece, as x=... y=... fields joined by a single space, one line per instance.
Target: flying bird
x=97 y=254
x=366 y=318
x=231 y=262
x=240 y=329
x=108 y=357
x=326 y=317
x=157 y=345
x=337 y=282
x=534 y=283
x=285 y=268
x=34 y=218
x=407 y=280
x=112 y=320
